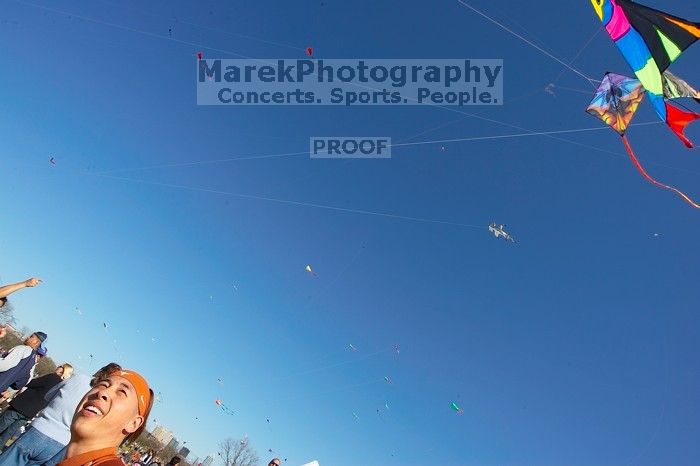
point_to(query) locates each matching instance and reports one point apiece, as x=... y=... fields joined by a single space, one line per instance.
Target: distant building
x=173 y=444
x=184 y=451
x=208 y=461
x=163 y=435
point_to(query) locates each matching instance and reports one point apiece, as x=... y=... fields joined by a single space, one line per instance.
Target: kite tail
x=677 y=120
x=652 y=180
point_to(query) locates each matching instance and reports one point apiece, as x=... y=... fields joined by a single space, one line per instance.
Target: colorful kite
x=675 y=87
x=650 y=40
x=223 y=407
x=457 y=409
x=615 y=102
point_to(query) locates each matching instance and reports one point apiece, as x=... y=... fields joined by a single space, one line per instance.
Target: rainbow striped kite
x=650 y=40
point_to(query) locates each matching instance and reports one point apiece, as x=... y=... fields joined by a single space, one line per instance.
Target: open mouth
x=91 y=410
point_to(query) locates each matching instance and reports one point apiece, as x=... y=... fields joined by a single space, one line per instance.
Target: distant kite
x=223 y=407
x=310 y=51
x=309 y=270
x=457 y=409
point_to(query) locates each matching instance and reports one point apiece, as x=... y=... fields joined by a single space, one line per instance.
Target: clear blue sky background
x=576 y=346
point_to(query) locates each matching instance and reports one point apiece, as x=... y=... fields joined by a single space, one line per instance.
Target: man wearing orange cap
x=115 y=410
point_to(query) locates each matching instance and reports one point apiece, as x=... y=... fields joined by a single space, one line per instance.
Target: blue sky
x=576 y=346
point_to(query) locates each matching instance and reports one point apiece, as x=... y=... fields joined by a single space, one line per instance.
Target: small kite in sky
x=357 y=418
x=104 y=324
x=386 y=405
x=223 y=407
x=310 y=51
x=500 y=231
x=388 y=380
x=457 y=409
x=78 y=311
x=220 y=381
x=52 y=160
x=352 y=347
x=549 y=89
x=397 y=349
x=310 y=271
x=170 y=32
x=443 y=149
x=200 y=56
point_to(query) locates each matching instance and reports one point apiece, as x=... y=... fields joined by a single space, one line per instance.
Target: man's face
x=275 y=462
x=33 y=341
x=108 y=412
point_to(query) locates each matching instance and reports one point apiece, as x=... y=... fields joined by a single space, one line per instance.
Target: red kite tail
x=677 y=120
x=652 y=180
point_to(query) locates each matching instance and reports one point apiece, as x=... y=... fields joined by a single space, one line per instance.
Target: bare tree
x=237 y=453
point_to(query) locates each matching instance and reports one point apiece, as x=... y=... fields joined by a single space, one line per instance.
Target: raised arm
x=7 y=290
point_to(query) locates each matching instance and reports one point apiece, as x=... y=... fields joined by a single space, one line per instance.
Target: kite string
x=652 y=180
x=529 y=42
x=585 y=46
x=297 y=203
x=416 y=143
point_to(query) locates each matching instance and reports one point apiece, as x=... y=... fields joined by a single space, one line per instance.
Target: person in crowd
x=7 y=290
x=148 y=457
x=17 y=365
x=136 y=459
x=113 y=412
x=174 y=461
x=27 y=404
x=274 y=462
x=45 y=441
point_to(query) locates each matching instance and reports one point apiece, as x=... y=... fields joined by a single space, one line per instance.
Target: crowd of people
x=68 y=419
x=64 y=418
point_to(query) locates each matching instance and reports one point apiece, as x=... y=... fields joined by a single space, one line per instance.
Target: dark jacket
x=31 y=401
x=18 y=376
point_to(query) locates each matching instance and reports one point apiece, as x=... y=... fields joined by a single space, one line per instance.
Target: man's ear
x=134 y=425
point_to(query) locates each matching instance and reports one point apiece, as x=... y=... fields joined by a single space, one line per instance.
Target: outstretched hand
x=32 y=282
